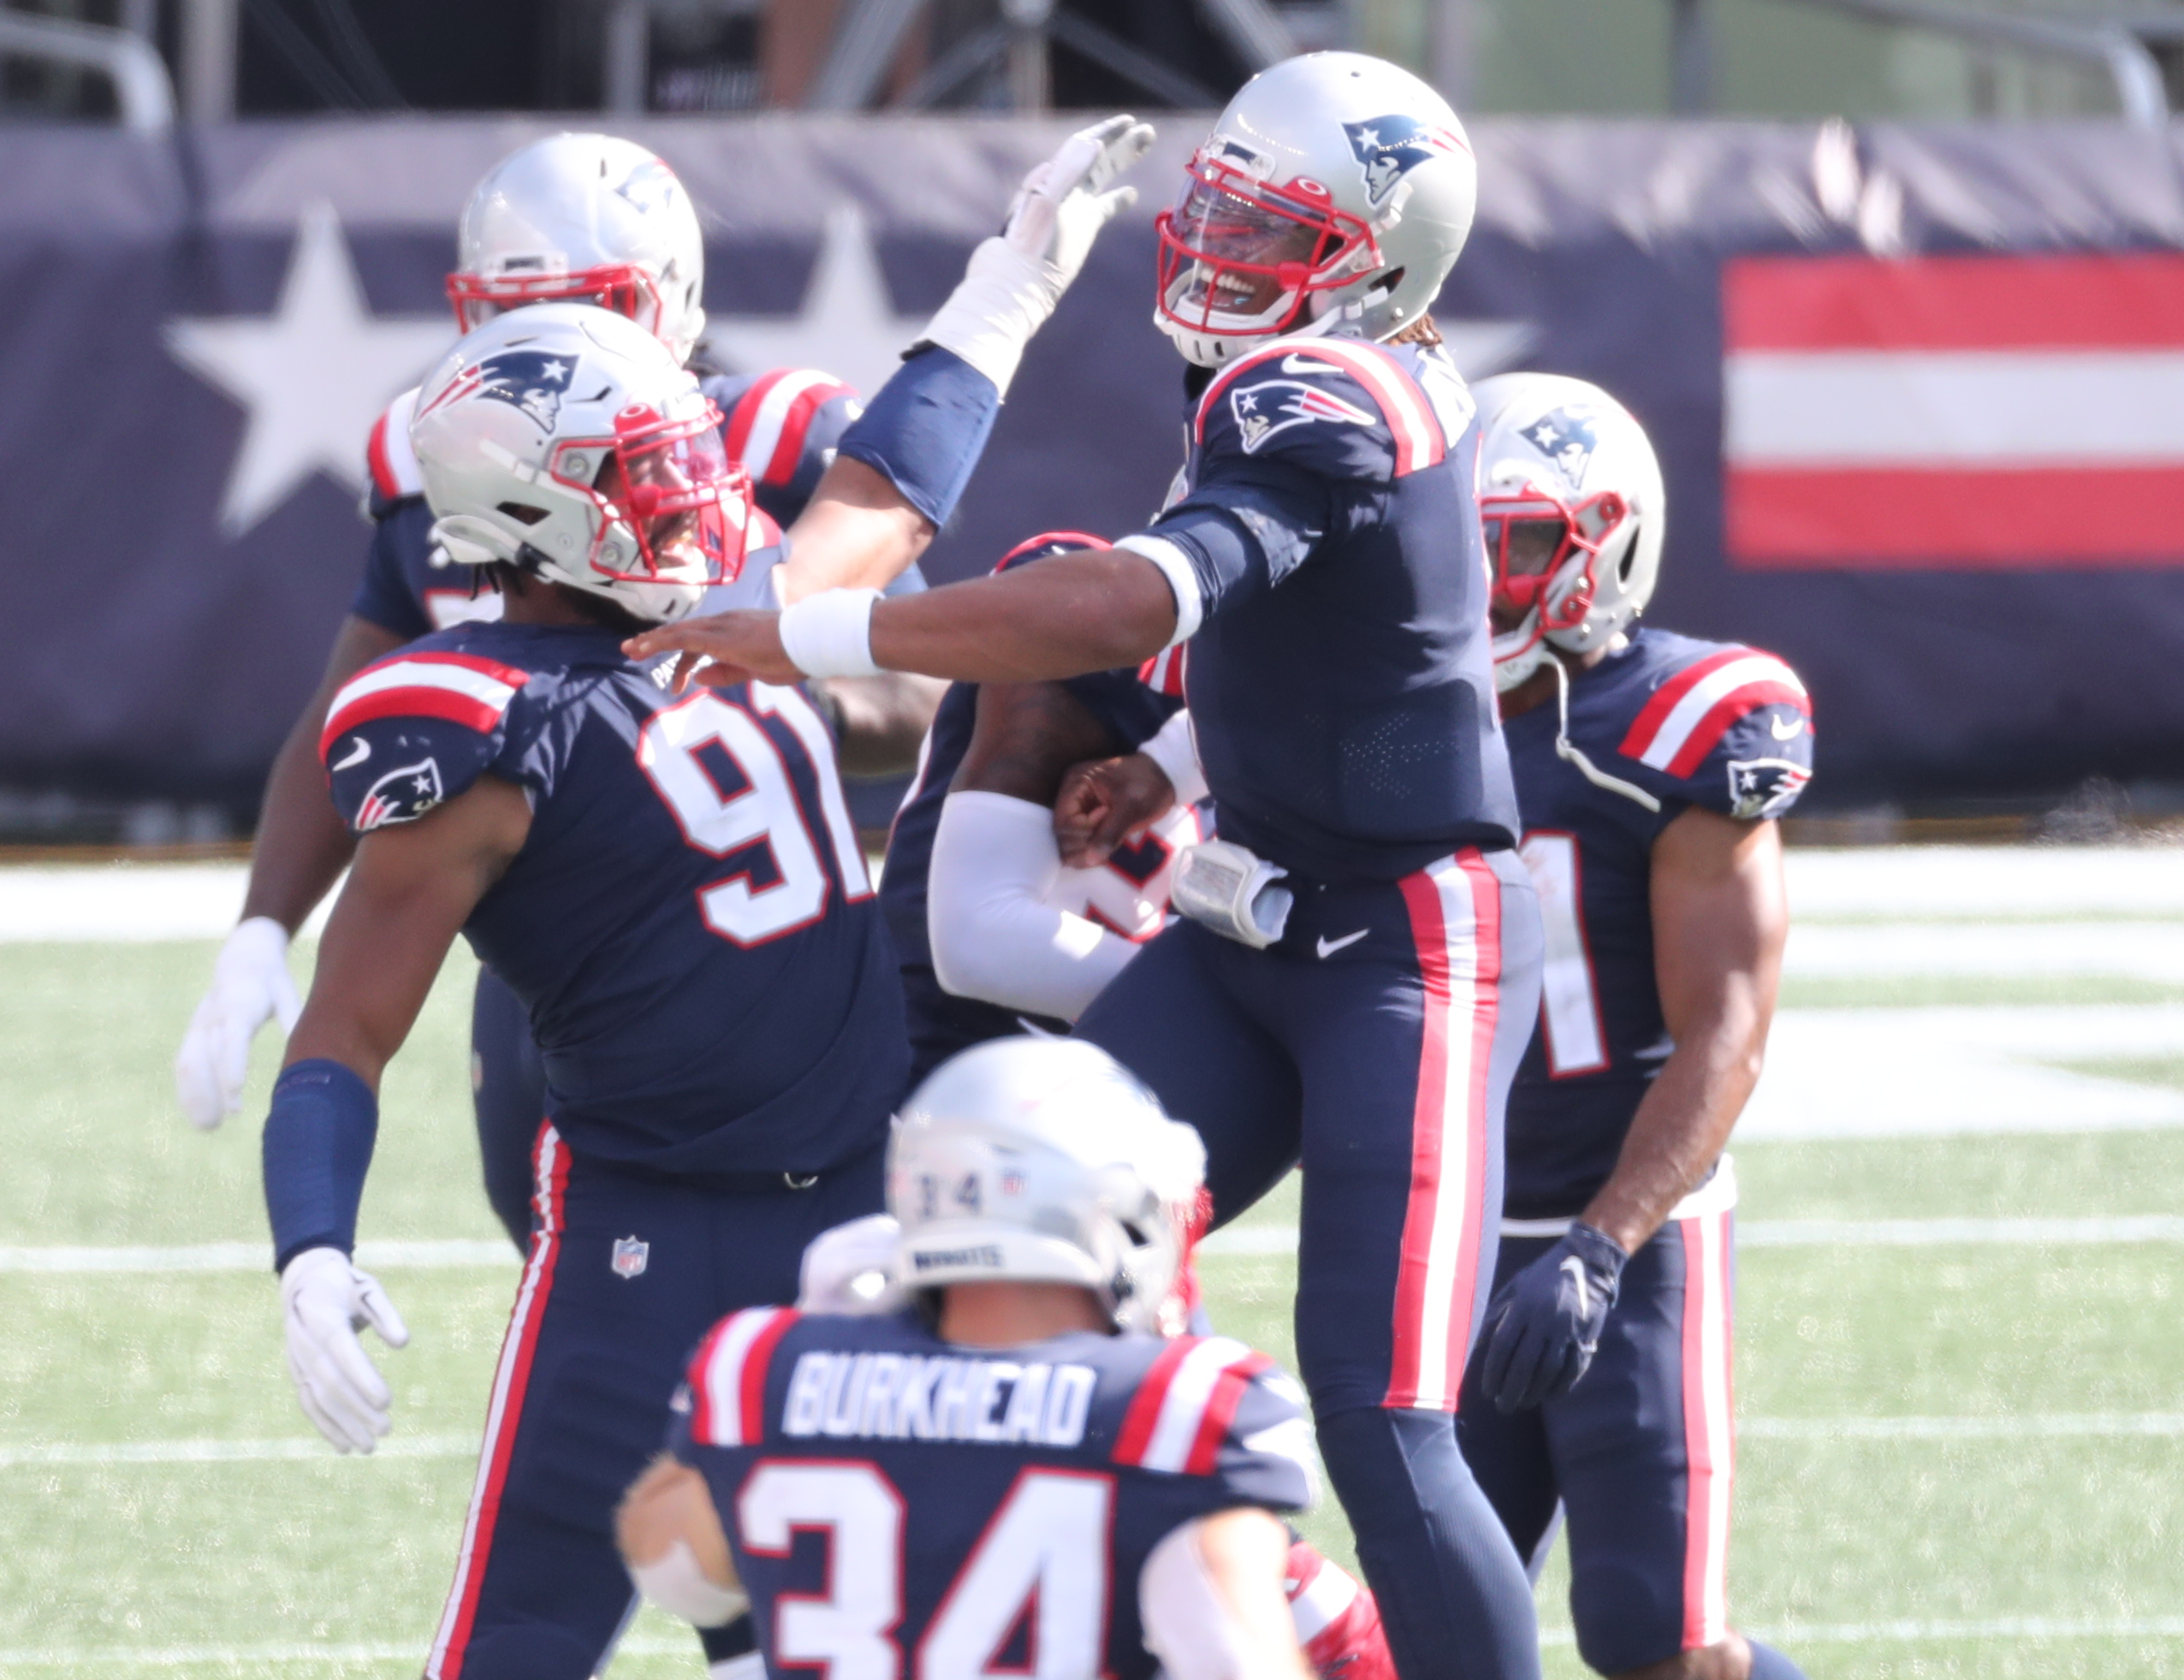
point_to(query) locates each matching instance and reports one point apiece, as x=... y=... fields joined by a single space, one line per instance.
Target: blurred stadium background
x=1897 y=285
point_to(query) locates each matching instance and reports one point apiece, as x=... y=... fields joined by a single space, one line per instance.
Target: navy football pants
x=1638 y=1454
x=1376 y=1043
x=626 y=1270
x=508 y=1092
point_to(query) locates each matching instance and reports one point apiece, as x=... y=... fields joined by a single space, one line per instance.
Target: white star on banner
x=847 y=327
x=313 y=375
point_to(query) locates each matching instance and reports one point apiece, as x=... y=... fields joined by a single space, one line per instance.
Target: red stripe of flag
x=2120 y=301
x=1429 y=935
x=788 y=446
x=1485 y=1010
x=701 y=1388
x=382 y=469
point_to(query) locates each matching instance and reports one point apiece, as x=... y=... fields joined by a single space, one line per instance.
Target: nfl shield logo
x=630 y=1254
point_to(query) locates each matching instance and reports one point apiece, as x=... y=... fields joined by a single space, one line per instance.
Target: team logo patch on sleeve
x=533 y=380
x=1272 y=406
x=1764 y=787
x=401 y=795
x=1389 y=148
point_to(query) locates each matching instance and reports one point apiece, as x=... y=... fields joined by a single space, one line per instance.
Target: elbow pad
x=678 y=1586
x=995 y=935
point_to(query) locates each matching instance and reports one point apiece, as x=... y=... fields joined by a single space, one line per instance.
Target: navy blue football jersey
x=1685 y=723
x=689 y=923
x=1341 y=681
x=782 y=425
x=887 y=1493
x=1128 y=894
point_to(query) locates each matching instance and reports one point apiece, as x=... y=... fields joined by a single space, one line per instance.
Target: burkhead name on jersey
x=1026 y=1486
x=1674 y=722
x=689 y=922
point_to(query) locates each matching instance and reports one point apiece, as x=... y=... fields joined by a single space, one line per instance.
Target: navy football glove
x=1544 y=1325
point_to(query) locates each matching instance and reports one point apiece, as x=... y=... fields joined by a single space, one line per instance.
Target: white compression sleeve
x=1175 y=750
x=995 y=935
x=1188 y=1620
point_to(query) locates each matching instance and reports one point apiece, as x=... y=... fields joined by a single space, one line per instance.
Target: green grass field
x=1958 y=1460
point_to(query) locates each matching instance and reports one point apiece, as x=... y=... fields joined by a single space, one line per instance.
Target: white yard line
x=396 y=1445
x=2002 y=1427
x=1828 y=1234
x=252 y=1257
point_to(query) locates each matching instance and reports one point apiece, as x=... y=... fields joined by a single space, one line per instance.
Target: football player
x=1357 y=971
x=994 y=934
x=1012 y=1473
x=673 y=890
x=1651 y=768
x=575 y=217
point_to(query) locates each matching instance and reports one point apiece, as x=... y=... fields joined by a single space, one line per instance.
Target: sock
x=1769 y=1664
x=1453 y=1599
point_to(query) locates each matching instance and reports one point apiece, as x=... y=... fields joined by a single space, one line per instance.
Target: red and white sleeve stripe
x=461 y=688
x=1183 y=1409
x=1408 y=411
x=771 y=421
x=1163 y=673
x=394 y=470
x=728 y=1379
x=1691 y=711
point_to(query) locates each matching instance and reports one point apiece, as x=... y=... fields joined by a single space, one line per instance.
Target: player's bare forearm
x=410 y=891
x=1720 y=919
x=302 y=846
x=879 y=721
x=669 y=1503
x=856 y=532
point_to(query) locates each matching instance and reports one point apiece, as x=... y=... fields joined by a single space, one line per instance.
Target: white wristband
x=830 y=634
x=1175 y=750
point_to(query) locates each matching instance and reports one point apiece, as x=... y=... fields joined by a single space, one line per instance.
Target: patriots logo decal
x=650 y=187
x=1389 y=148
x=533 y=380
x=401 y=795
x=1566 y=438
x=1764 y=787
x=1274 y=405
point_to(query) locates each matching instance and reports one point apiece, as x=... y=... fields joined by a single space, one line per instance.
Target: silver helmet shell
x=583 y=218
x=1042 y=1160
x=1332 y=196
x=1574 y=512
x=568 y=440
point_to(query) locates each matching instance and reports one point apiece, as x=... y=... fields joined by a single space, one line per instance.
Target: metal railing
x=142 y=91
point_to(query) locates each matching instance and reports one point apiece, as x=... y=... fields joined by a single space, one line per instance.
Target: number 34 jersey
x=901 y=1505
x=689 y=921
x=1680 y=722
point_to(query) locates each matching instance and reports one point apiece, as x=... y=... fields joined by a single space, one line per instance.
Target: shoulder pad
x=1185 y=1404
x=771 y=424
x=1736 y=726
x=412 y=731
x=395 y=474
x=728 y=1378
x=1347 y=409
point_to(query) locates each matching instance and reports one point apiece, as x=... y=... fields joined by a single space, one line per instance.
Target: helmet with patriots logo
x=583 y=218
x=569 y=442
x=1331 y=197
x=1574 y=512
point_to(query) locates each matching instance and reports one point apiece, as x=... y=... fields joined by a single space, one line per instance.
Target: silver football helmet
x=1042 y=1160
x=570 y=440
x=583 y=218
x=1331 y=197
x=1573 y=511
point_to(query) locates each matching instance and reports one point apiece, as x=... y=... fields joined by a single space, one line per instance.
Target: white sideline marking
x=254 y=1257
x=2151 y=950
x=229 y=1452
x=1828 y=1233
x=206 y=1656
x=128 y=903
x=2001 y=1427
x=1915 y=882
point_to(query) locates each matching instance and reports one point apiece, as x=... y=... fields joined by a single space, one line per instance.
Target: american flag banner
x=1959 y=412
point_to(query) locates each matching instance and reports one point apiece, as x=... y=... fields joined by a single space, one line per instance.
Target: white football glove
x=1013 y=281
x=850 y=1268
x=325 y=1300
x=250 y=984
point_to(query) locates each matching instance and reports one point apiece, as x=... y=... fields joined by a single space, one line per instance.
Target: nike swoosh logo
x=1575 y=1267
x=1797 y=728
x=1328 y=946
x=1296 y=364
x=361 y=751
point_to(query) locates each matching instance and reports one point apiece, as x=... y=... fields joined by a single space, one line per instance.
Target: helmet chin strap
x=1570 y=753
